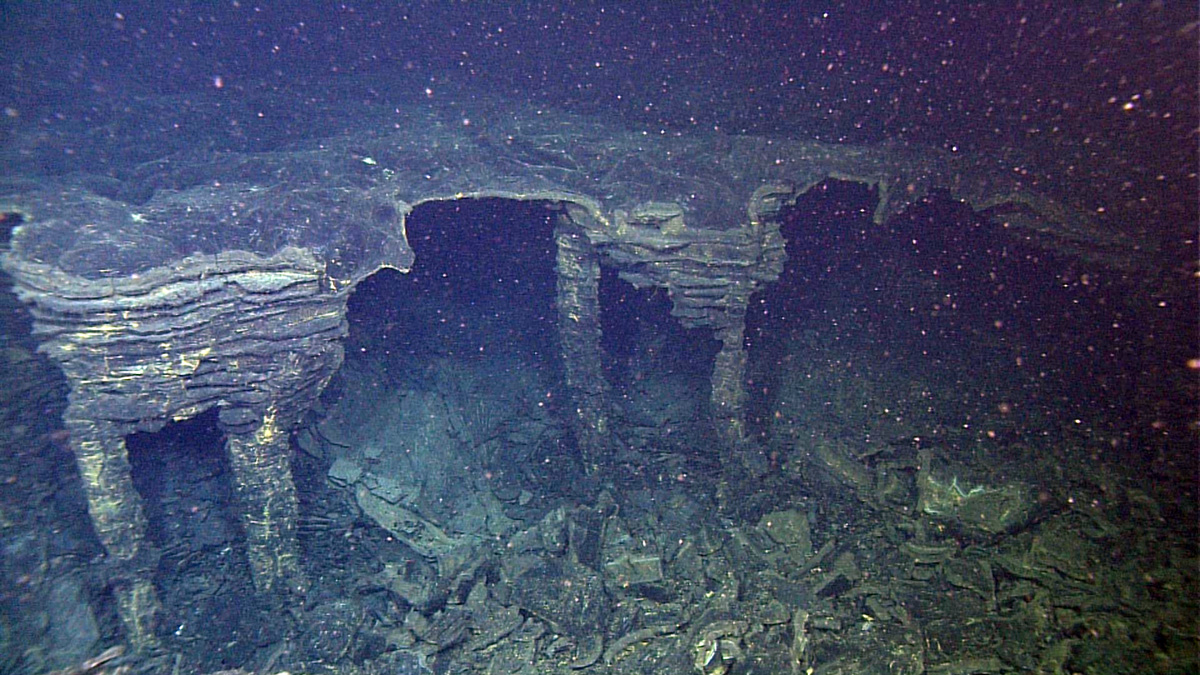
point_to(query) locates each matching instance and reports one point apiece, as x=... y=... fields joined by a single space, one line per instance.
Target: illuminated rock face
x=227 y=286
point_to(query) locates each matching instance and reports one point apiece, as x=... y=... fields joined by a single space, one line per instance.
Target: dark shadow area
x=641 y=339
x=183 y=476
x=8 y=221
x=982 y=322
x=825 y=234
x=16 y=323
x=472 y=323
x=482 y=286
x=661 y=373
x=169 y=466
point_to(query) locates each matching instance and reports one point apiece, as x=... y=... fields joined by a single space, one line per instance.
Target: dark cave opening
x=659 y=370
x=180 y=471
x=183 y=474
x=943 y=295
x=824 y=235
x=639 y=335
x=482 y=286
